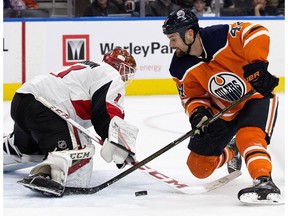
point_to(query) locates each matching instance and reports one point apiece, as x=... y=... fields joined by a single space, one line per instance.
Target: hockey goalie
x=92 y=94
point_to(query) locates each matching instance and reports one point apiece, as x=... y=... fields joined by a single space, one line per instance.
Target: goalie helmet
x=180 y=21
x=122 y=61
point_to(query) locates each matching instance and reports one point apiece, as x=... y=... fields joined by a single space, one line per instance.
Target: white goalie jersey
x=90 y=92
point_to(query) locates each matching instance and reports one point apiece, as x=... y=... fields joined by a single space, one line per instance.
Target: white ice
x=161 y=120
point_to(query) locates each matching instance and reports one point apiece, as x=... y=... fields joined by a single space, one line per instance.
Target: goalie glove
x=118 y=153
x=129 y=160
x=120 y=144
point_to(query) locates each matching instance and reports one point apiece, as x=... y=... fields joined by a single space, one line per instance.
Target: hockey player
x=213 y=67
x=92 y=93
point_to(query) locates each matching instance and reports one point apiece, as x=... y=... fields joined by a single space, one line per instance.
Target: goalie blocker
x=120 y=144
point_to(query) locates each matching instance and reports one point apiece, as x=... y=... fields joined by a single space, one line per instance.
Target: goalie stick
x=95 y=189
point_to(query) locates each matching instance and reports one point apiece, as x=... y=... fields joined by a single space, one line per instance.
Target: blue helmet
x=180 y=21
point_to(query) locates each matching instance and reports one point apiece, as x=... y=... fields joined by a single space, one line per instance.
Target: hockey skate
x=13 y=159
x=236 y=162
x=264 y=191
x=43 y=184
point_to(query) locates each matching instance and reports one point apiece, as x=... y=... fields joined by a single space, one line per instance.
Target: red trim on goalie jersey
x=114 y=111
x=82 y=108
x=68 y=70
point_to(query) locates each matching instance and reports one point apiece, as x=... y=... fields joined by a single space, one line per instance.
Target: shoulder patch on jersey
x=227 y=86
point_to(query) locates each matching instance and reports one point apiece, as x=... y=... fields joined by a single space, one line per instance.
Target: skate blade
x=42 y=190
x=252 y=199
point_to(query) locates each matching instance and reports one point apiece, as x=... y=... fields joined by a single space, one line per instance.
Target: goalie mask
x=122 y=61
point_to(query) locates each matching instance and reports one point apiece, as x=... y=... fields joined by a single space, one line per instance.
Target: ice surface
x=161 y=120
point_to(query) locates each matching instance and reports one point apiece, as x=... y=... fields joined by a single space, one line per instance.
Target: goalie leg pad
x=79 y=174
x=68 y=167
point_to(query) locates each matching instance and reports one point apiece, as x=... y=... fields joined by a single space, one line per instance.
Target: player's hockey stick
x=186 y=189
x=92 y=190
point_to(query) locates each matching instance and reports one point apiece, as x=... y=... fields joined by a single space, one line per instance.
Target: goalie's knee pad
x=69 y=168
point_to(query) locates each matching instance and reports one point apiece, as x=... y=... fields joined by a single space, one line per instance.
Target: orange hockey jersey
x=216 y=78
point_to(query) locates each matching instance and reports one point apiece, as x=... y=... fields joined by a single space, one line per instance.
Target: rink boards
x=39 y=46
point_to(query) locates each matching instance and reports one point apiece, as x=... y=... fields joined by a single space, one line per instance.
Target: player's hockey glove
x=205 y=136
x=261 y=80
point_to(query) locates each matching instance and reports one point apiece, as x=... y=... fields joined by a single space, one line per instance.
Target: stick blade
x=222 y=181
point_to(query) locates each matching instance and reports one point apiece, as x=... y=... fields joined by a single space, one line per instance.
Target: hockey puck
x=141 y=193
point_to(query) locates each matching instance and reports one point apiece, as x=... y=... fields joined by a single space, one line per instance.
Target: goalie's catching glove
x=260 y=79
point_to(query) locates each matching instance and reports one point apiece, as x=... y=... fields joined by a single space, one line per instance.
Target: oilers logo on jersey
x=227 y=86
